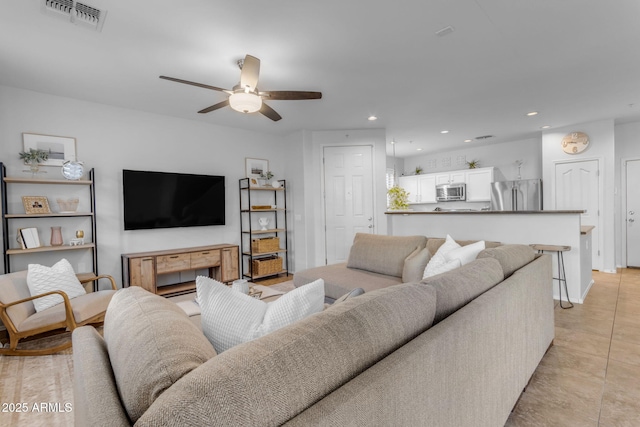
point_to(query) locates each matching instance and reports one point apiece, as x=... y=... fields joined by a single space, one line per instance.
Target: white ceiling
x=573 y=61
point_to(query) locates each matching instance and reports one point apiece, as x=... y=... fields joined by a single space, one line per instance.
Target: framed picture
x=253 y=182
x=60 y=148
x=255 y=167
x=35 y=205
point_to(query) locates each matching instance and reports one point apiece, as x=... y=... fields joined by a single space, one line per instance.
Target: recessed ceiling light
x=372 y=118
x=545 y=127
x=468 y=140
x=418 y=149
x=532 y=113
x=444 y=131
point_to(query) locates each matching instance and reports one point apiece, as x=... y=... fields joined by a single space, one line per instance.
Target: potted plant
x=398 y=198
x=265 y=178
x=473 y=164
x=418 y=170
x=33 y=158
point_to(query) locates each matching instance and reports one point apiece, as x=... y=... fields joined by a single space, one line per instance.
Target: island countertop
x=462 y=211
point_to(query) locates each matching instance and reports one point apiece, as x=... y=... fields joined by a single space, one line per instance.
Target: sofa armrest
x=96 y=399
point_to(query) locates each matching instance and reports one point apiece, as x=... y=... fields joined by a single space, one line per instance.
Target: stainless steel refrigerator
x=520 y=195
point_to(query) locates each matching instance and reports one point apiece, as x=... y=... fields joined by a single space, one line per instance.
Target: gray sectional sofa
x=454 y=350
x=375 y=262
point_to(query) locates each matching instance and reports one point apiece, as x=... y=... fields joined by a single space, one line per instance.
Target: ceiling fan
x=245 y=96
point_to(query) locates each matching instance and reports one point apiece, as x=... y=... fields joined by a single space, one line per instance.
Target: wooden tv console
x=143 y=268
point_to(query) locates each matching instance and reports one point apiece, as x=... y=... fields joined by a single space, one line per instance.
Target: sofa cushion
x=383 y=254
x=414 y=265
x=457 y=288
x=339 y=280
x=230 y=318
x=152 y=344
x=511 y=257
x=59 y=277
x=270 y=380
x=354 y=293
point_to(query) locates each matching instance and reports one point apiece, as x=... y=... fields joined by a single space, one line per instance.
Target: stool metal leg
x=562 y=277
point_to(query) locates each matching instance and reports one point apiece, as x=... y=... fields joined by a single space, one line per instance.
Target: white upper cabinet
x=451 y=177
x=479 y=184
x=421 y=188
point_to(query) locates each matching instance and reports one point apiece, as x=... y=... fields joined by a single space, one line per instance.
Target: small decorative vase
x=263 y=223
x=34 y=168
x=56 y=236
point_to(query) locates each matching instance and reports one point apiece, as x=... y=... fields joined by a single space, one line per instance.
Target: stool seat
x=552 y=248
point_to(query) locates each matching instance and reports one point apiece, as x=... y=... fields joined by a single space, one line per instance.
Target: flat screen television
x=165 y=200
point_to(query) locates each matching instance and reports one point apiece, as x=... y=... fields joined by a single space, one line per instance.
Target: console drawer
x=170 y=263
x=205 y=259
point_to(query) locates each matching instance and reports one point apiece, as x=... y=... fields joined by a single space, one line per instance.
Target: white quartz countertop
x=472 y=212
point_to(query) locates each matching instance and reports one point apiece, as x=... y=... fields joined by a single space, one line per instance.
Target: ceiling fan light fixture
x=245 y=102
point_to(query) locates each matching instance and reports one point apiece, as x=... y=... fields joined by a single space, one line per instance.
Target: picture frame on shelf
x=36 y=205
x=254 y=168
x=60 y=148
x=254 y=183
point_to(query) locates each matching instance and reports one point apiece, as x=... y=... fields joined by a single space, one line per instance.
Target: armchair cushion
x=59 y=277
x=84 y=307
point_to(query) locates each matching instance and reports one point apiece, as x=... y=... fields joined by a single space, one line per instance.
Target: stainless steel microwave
x=451 y=192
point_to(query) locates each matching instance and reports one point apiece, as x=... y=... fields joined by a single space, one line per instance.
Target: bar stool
x=562 y=277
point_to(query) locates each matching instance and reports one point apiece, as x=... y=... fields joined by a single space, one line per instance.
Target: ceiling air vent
x=75 y=13
x=484 y=137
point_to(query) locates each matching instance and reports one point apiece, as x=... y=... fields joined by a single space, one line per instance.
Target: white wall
x=110 y=139
x=501 y=156
x=601 y=147
x=309 y=209
x=627 y=148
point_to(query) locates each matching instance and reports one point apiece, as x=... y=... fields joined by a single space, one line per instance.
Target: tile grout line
x=606 y=368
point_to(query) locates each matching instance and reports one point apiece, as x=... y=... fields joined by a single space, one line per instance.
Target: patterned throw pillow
x=230 y=318
x=59 y=277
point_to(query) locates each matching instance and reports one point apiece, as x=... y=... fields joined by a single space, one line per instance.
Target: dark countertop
x=483 y=212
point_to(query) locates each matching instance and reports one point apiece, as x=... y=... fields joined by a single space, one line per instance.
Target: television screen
x=164 y=200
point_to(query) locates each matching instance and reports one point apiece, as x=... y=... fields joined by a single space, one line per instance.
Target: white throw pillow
x=59 y=277
x=447 y=266
x=230 y=318
x=438 y=260
x=467 y=253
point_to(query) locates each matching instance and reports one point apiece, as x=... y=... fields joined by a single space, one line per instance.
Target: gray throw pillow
x=414 y=265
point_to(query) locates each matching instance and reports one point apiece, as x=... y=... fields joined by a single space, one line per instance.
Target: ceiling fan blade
x=291 y=95
x=270 y=112
x=173 y=79
x=250 y=72
x=215 y=107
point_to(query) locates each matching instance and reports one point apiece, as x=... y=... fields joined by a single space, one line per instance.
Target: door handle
x=631 y=212
x=370 y=225
x=631 y=220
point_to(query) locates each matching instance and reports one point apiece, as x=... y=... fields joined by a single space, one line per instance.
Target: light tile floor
x=591 y=375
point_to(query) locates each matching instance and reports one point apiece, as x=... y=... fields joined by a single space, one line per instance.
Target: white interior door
x=577 y=187
x=348 y=198
x=633 y=213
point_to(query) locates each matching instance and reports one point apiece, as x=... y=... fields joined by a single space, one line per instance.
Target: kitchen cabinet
x=479 y=184
x=421 y=188
x=451 y=177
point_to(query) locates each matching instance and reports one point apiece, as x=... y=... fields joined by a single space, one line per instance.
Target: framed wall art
x=256 y=167
x=35 y=205
x=59 y=148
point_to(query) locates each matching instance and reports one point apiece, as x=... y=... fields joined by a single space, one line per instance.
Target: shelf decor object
x=59 y=148
x=36 y=205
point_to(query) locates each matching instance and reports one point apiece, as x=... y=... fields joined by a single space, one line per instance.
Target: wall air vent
x=75 y=12
x=484 y=137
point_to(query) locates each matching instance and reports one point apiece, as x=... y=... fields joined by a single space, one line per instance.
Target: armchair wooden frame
x=68 y=323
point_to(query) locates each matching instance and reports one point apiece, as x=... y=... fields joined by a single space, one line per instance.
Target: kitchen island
x=552 y=227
